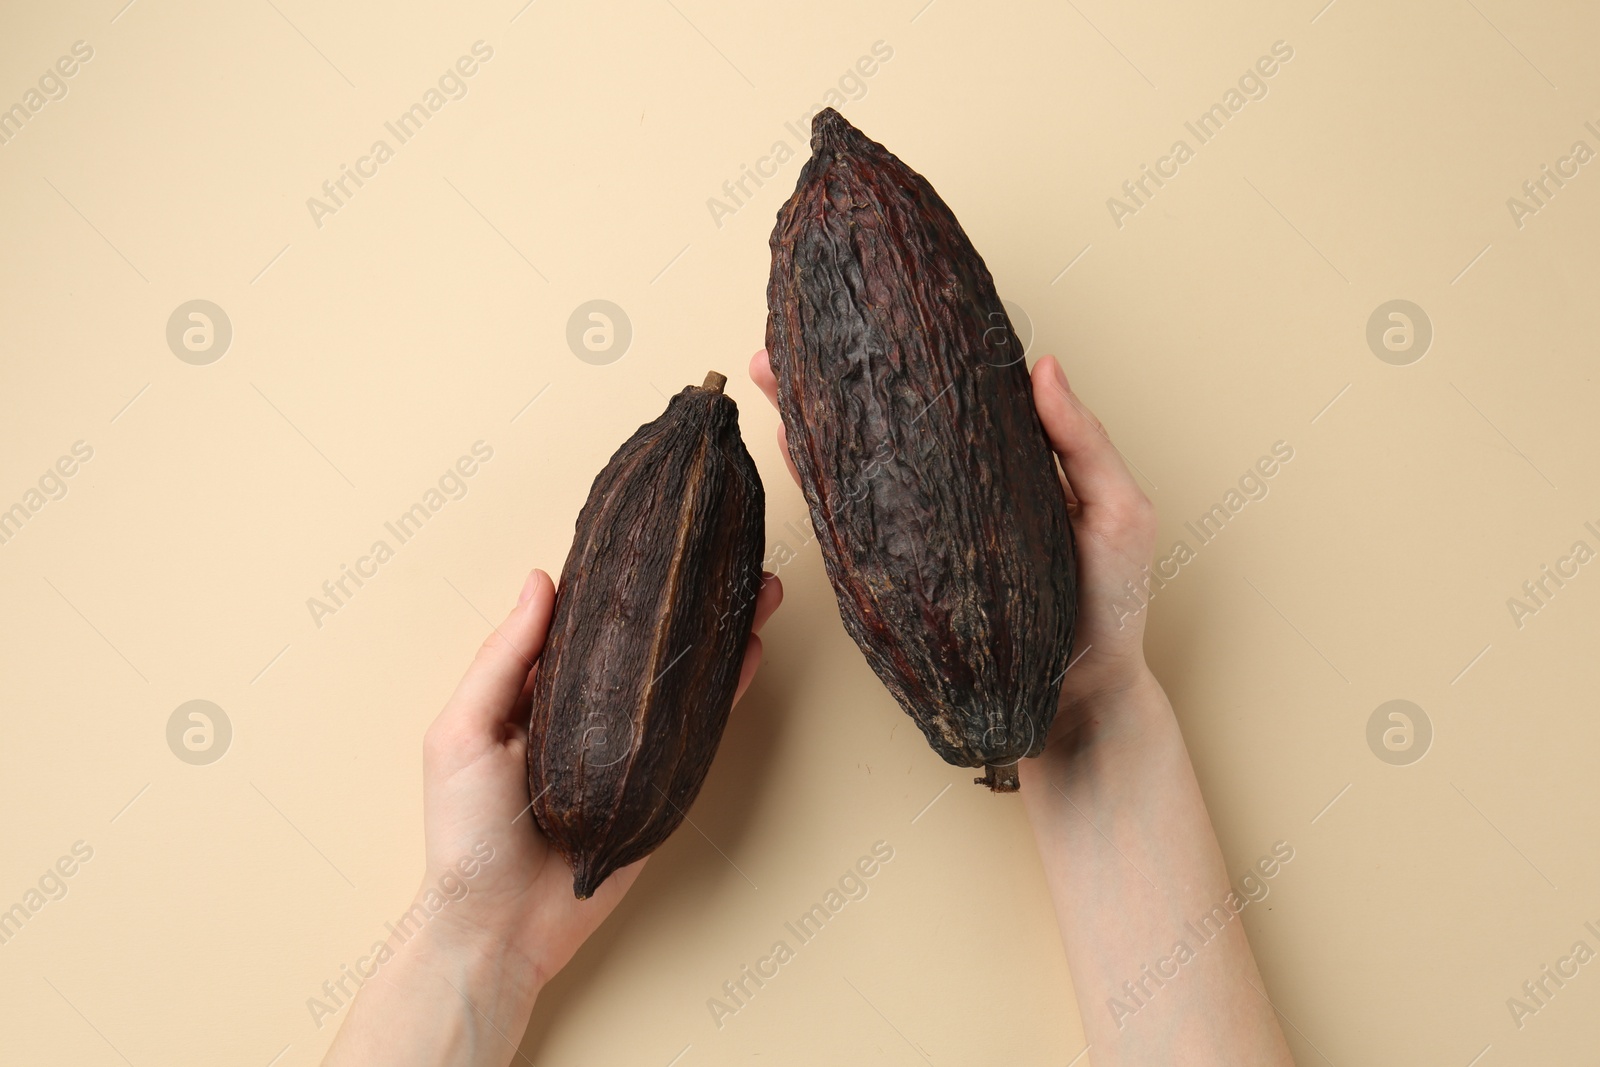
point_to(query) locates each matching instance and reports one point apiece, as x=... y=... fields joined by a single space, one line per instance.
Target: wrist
x=414 y=1012
x=481 y=963
x=1105 y=718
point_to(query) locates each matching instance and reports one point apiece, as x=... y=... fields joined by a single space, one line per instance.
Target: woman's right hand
x=1114 y=524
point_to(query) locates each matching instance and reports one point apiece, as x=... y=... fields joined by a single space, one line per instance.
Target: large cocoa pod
x=930 y=482
x=654 y=608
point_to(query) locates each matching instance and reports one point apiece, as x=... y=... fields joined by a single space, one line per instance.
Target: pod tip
x=715 y=381
x=828 y=129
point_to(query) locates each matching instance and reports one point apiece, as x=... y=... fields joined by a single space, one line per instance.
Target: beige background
x=369 y=353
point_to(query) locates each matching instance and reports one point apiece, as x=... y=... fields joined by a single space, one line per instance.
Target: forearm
x=449 y=997
x=1134 y=870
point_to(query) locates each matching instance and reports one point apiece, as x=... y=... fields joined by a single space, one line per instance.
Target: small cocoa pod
x=930 y=482
x=654 y=608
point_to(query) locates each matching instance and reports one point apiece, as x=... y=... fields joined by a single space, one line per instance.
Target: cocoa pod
x=651 y=618
x=930 y=482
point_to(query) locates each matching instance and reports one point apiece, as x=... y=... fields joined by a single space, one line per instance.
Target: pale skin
x=460 y=992
x=1128 y=850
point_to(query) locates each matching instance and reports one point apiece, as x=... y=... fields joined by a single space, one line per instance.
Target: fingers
x=767 y=599
x=788 y=460
x=1094 y=467
x=500 y=677
x=747 y=669
x=490 y=689
x=761 y=374
x=767 y=382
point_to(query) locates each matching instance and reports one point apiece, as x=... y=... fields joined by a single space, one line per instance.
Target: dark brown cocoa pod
x=654 y=608
x=932 y=487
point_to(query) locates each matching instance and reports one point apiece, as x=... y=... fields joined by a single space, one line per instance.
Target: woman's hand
x=1114 y=524
x=495 y=917
x=1128 y=850
x=475 y=789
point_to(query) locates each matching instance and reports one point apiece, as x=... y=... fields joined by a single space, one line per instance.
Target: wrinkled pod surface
x=655 y=604
x=930 y=482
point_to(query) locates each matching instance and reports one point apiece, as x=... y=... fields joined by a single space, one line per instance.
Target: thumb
x=1094 y=467
x=489 y=691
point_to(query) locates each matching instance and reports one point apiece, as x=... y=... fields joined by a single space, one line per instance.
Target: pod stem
x=715 y=381
x=1000 y=779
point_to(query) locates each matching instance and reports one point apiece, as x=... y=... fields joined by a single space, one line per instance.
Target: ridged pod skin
x=654 y=608
x=931 y=485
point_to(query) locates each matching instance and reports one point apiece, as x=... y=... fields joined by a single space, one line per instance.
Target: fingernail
x=1059 y=374
x=527 y=587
